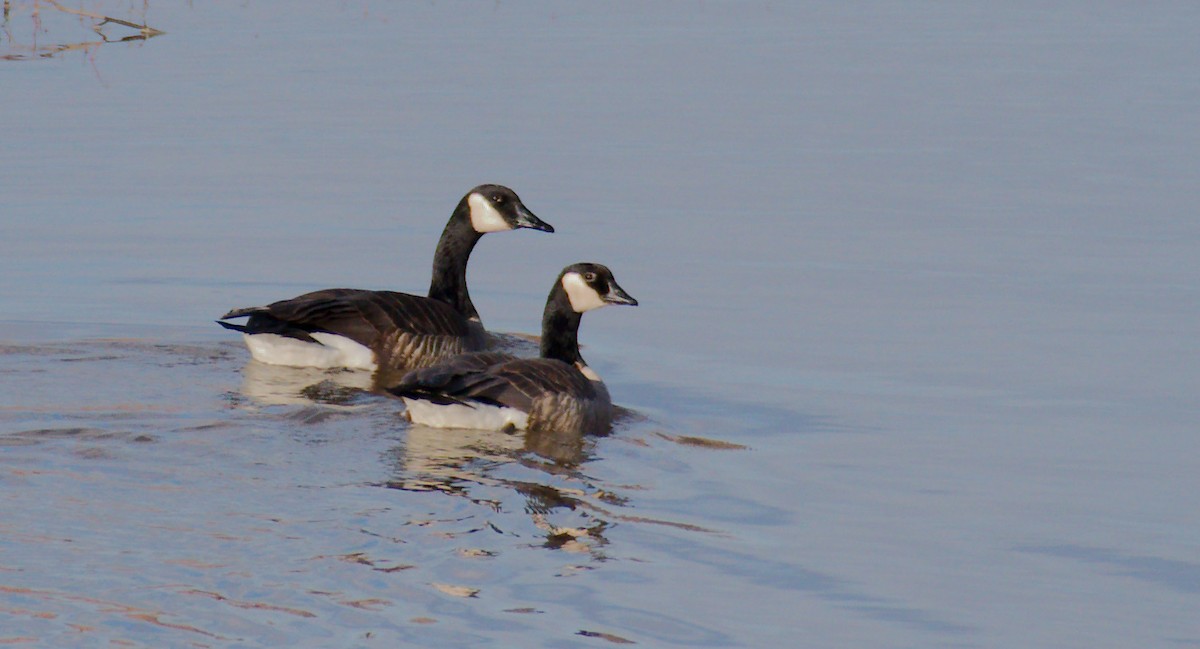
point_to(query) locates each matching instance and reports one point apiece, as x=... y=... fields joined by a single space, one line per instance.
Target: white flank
x=481 y=416
x=484 y=216
x=334 y=351
x=583 y=297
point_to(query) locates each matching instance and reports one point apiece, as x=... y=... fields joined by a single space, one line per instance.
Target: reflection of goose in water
x=439 y=458
x=450 y=460
x=362 y=329
x=464 y=462
x=277 y=385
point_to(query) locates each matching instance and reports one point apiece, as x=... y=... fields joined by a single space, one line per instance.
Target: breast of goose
x=555 y=392
x=371 y=330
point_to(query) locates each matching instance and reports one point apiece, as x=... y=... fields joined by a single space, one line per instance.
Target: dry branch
x=146 y=30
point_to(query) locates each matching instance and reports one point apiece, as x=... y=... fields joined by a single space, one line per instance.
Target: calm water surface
x=915 y=366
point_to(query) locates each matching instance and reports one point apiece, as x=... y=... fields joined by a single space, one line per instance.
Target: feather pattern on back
x=403 y=330
x=386 y=330
x=556 y=392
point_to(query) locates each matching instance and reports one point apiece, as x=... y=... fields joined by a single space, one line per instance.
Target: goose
x=386 y=330
x=556 y=392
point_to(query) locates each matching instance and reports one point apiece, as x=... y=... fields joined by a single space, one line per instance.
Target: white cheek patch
x=484 y=216
x=583 y=297
x=588 y=372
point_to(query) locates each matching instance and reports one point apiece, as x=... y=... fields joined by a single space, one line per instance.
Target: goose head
x=495 y=208
x=590 y=286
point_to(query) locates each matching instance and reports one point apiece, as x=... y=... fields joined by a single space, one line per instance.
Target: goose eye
x=591 y=277
x=497 y=199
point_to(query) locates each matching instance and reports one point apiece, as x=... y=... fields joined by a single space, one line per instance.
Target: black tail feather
x=436 y=398
x=230 y=325
x=262 y=323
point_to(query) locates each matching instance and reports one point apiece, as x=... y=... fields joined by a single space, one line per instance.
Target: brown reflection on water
x=250 y=604
x=54 y=599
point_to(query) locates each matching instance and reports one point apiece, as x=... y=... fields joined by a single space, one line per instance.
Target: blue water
x=915 y=363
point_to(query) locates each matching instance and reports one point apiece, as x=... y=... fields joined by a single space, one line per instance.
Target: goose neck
x=449 y=283
x=560 y=329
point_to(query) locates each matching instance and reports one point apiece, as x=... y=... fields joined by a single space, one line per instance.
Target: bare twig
x=146 y=30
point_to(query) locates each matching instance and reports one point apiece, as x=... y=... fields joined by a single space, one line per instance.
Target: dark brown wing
x=511 y=382
x=438 y=376
x=362 y=316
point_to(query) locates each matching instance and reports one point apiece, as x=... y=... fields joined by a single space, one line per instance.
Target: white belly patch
x=333 y=351
x=481 y=416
